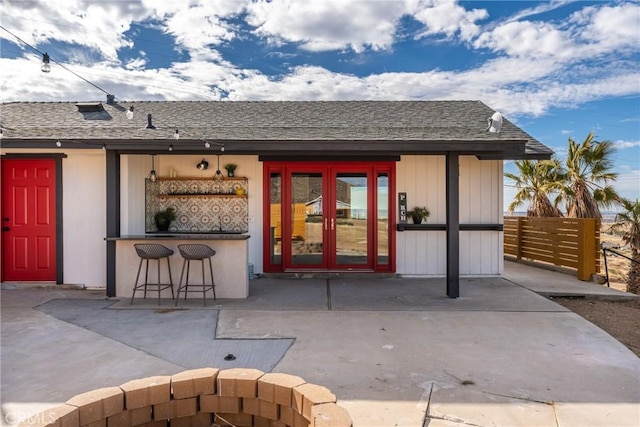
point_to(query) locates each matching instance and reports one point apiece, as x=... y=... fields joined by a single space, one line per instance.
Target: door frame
x=57 y=157
x=372 y=169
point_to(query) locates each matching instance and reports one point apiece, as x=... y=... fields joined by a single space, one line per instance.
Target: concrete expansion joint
x=526 y=399
x=426 y=412
x=450 y=419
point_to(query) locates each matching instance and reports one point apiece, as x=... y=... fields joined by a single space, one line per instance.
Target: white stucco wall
x=84 y=215
x=423 y=253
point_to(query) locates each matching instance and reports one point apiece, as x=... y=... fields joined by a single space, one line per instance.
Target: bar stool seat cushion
x=152 y=250
x=196 y=251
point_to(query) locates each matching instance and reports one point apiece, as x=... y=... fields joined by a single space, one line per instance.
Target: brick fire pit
x=202 y=397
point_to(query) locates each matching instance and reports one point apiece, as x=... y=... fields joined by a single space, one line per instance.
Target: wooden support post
x=453 y=224
x=586 y=248
x=113 y=217
x=519 y=238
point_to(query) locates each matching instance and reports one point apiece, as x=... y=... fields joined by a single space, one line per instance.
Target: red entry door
x=28 y=220
x=328 y=216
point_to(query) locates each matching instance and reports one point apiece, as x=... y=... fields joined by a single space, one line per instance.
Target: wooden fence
x=563 y=242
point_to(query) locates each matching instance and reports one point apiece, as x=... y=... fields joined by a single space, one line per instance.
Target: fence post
x=519 y=238
x=586 y=248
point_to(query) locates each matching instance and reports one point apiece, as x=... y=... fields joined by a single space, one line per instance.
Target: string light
x=46 y=59
x=153 y=176
x=207 y=145
x=170 y=147
x=176 y=135
x=45 y=67
x=58 y=143
x=130 y=113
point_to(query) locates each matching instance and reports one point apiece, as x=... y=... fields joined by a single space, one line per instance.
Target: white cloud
x=621 y=145
x=609 y=27
x=449 y=18
x=566 y=132
x=97 y=25
x=628 y=183
x=527 y=39
x=328 y=24
x=197 y=28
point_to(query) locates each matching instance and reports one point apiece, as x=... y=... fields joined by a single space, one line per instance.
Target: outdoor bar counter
x=230 y=263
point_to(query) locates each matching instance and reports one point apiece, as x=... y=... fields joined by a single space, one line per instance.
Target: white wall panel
x=423 y=253
x=84 y=217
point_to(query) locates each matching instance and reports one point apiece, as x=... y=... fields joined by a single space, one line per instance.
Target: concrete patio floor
x=396 y=352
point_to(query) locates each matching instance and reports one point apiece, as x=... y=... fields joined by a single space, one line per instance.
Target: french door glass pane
x=307 y=219
x=351 y=220
x=275 y=194
x=383 y=219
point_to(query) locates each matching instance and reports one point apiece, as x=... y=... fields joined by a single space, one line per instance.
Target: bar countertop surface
x=182 y=236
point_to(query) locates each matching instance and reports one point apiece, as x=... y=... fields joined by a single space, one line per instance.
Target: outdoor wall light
x=45 y=67
x=130 y=113
x=153 y=176
x=203 y=165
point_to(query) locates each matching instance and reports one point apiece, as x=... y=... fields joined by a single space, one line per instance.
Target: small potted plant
x=418 y=214
x=164 y=217
x=231 y=168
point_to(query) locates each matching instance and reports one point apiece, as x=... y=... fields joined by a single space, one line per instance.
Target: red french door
x=28 y=220
x=328 y=216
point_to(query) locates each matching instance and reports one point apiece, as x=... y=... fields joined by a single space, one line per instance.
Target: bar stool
x=196 y=252
x=146 y=252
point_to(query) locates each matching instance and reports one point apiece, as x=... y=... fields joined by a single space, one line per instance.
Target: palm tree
x=629 y=221
x=588 y=173
x=535 y=181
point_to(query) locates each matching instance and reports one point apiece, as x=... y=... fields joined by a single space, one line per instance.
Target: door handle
x=332 y=225
x=325 y=224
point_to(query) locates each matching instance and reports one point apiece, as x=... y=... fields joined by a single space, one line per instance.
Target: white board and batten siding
x=423 y=253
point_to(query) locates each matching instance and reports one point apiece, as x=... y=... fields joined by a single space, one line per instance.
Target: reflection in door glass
x=275 y=193
x=383 y=219
x=306 y=219
x=351 y=222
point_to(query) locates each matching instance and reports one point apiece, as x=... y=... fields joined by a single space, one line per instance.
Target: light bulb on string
x=130 y=113
x=207 y=145
x=46 y=66
x=171 y=147
x=58 y=143
x=218 y=176
x=153 y=176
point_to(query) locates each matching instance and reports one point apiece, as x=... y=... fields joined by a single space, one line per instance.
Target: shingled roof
x=287 y=127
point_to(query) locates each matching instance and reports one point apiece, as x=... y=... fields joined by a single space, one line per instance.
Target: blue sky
x=558 y=69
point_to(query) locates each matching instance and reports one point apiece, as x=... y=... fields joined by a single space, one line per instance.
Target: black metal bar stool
x=196 y=252
x=146 y=252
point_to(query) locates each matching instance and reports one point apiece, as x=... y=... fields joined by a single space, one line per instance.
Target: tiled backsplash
x=201 y=205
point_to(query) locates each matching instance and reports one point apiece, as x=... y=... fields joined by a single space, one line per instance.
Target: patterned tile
x=201 y=205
